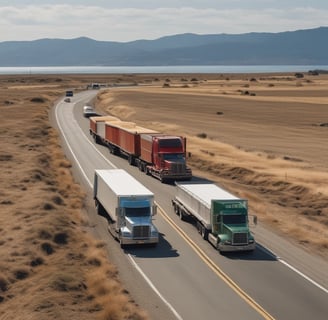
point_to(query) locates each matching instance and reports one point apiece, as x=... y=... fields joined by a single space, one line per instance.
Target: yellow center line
x=218 y=271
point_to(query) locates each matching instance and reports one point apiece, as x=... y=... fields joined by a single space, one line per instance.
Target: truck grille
x=240 y=238
x=141 y=232
x=178 y=167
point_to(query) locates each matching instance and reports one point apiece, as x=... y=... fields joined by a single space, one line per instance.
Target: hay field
x=51 y=267
x=263 y=137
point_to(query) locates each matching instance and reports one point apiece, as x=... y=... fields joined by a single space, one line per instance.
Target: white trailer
x=128 y=205
x=221 y=217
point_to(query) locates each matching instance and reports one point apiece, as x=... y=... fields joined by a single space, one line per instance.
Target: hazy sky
x=126 y=20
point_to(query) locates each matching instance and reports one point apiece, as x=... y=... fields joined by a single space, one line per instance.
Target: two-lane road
x=185 y=277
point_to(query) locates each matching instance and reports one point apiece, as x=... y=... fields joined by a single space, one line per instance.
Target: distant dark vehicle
x=67 y=100
x=94 y=86
x=69 y=93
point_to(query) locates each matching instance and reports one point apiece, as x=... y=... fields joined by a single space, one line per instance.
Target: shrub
x=202 y=135
x=38 y=100
x=299 y=75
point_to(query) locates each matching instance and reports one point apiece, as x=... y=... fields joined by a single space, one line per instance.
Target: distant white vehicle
x=88 y=111
x=87 y=108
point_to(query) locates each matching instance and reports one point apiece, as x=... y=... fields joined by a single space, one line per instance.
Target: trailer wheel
x=204 y=233
x=181 y=214
x=131 y=160
x=202 y=230
x=146 y=170
x=100 y=209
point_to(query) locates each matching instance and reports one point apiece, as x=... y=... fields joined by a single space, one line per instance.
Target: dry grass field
x=51 y=267
x=263 y=137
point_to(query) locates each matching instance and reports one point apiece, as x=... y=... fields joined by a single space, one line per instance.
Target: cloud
x=125 y=24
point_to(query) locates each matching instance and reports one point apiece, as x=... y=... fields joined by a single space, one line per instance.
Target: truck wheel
x=100 y=209
x=131 y=160
x=181 y=215
x=121 y=244
x=204 y=233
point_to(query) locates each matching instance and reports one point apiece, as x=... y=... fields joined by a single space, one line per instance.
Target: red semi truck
x=163 y=156
x=157 y=154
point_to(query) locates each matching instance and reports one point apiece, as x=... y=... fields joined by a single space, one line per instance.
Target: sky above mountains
x=150 y=19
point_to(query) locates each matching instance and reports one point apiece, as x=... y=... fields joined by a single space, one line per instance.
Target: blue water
x=155 y=69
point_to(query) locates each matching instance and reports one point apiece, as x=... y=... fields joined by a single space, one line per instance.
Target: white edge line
x=303 y=275
x=275 y=256
x=130 y=257
x=154 y=288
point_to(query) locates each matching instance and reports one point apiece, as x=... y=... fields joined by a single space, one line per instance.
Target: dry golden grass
x=49 y=263
x=269 y=145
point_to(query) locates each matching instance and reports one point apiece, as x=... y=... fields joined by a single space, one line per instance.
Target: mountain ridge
x=301 y=47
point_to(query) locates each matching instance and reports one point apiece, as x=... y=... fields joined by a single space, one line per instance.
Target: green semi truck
x=221 y=218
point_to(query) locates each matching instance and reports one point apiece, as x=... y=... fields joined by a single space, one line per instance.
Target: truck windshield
x=137 y=212
x=170 y=143
x=173 y=156
x=234 y=219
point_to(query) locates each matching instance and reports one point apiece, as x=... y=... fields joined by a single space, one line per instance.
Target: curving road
x=185 y=277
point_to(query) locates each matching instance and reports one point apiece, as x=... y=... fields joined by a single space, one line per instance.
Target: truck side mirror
x=154 y=210
x=255 y=220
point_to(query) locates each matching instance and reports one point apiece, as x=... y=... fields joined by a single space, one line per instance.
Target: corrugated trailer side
x=200 y=208
x=113 y=131
x=130 y=138
x=146 y=146
x=104 y=194
x=96 y=124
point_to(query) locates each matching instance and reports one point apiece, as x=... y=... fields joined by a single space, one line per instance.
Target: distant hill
x=302 y=47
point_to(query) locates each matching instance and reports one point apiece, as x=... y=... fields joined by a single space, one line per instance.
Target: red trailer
x=97 y=127
x=124 y=138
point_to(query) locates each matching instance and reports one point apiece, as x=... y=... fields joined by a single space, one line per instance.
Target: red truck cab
x=165 y=156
